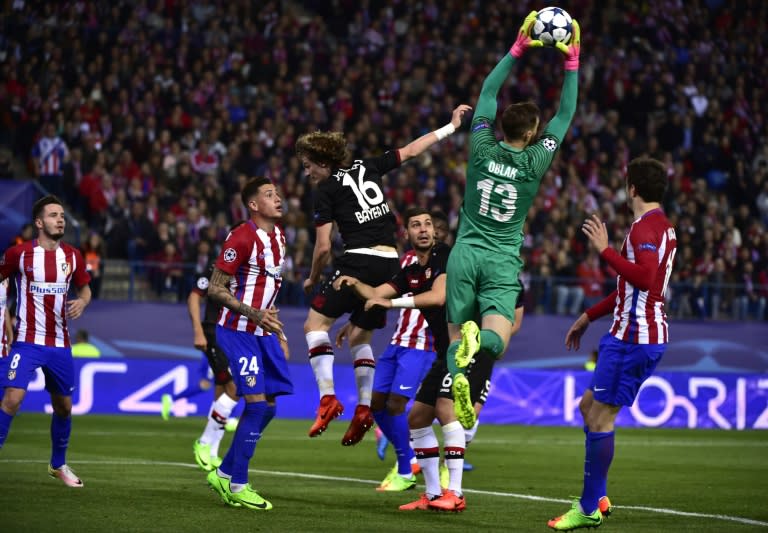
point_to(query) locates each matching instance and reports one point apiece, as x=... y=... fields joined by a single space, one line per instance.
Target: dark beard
x=52 y=236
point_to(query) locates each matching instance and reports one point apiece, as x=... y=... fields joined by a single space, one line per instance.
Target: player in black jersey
x=400 y=370
x=350 y=193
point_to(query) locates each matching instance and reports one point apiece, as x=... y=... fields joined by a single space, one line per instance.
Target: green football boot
x=470 y=344
x=202 y=454
x=576 y=519
x=220 y=485
x=166 y=404
x=462 y=402
x=250 y=498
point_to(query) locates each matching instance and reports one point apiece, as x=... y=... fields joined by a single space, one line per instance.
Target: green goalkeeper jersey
x=502 y=181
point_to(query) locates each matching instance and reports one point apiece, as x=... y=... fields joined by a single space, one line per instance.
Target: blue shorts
x=19 y=368
x=621 y=368
x=400 y=370
x=257 y=364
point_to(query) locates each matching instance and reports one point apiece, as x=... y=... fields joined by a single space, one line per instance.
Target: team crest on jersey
x=11 y=375
x=230 y=255
x=202 y=284
x=66 y=268
x=428 y=273
x=250 y=381
x=550 y=144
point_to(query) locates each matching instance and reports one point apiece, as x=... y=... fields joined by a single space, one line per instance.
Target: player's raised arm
x=486 y=103
x=415 y=148
x=558 y=126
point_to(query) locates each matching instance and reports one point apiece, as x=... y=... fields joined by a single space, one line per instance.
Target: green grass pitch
x=140 y=476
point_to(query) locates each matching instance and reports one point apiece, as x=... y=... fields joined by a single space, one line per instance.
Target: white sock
x=427 y=451
x=321 y=359
x=454 y=444
x=364 y=368
x=217 y=419
x=469 y=434
x=236 y=487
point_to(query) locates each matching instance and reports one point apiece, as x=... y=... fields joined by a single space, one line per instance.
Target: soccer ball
x=553 y=25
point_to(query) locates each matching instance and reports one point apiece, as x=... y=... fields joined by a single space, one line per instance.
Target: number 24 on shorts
x=248 y=365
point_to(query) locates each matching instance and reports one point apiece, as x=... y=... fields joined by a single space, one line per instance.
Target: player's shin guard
x=364 y=368
x=427 y=452
x=454 y=443
x=597 y=461
x=61 y=427
x=244 y=442
x=321 y=359
x=5 y=426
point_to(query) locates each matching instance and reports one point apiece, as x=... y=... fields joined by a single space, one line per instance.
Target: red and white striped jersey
x=5 y=342
x=650 y=247
x=42 y=281
x=204 y=164
x=50 y=153
x=254 y=259
x=412 y=330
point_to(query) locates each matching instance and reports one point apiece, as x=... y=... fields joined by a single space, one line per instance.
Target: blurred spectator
x=151 y=101
x=94 y=253
x=49 y=154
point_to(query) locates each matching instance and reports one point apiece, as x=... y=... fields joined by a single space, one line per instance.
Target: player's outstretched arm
x=486 y=104
x=558 y=126
x=418 y=146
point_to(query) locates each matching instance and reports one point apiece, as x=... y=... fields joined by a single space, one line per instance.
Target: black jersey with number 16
x=354 y=198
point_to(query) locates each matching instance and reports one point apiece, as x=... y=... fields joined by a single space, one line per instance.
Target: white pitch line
x=625 y=442
x=659 y=510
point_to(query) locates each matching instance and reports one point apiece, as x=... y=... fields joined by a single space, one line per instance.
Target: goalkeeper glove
x=571 y=51
x=524 y=40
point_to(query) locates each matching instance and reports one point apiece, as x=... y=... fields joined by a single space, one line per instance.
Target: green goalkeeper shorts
x=481 y=282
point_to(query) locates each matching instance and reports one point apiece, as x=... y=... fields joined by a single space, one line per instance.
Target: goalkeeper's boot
x=329 y=409
x=362 y=421
x=251 y=499
x=422 y=504
x=576 y=519
x=166 y=404
x=445 y=476
x=470 y=344
x=66 y=475
x=604 y=504
x=220 y=485
x=202 y=454
x=462 y=402
x=449 y=501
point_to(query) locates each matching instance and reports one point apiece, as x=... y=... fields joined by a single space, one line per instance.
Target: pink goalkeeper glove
x=524 y=40
x=572 y=50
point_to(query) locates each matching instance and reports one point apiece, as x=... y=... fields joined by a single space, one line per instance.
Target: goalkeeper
x=503 y=178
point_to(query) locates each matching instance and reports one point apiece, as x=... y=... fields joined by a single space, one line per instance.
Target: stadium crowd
x=148 y=116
